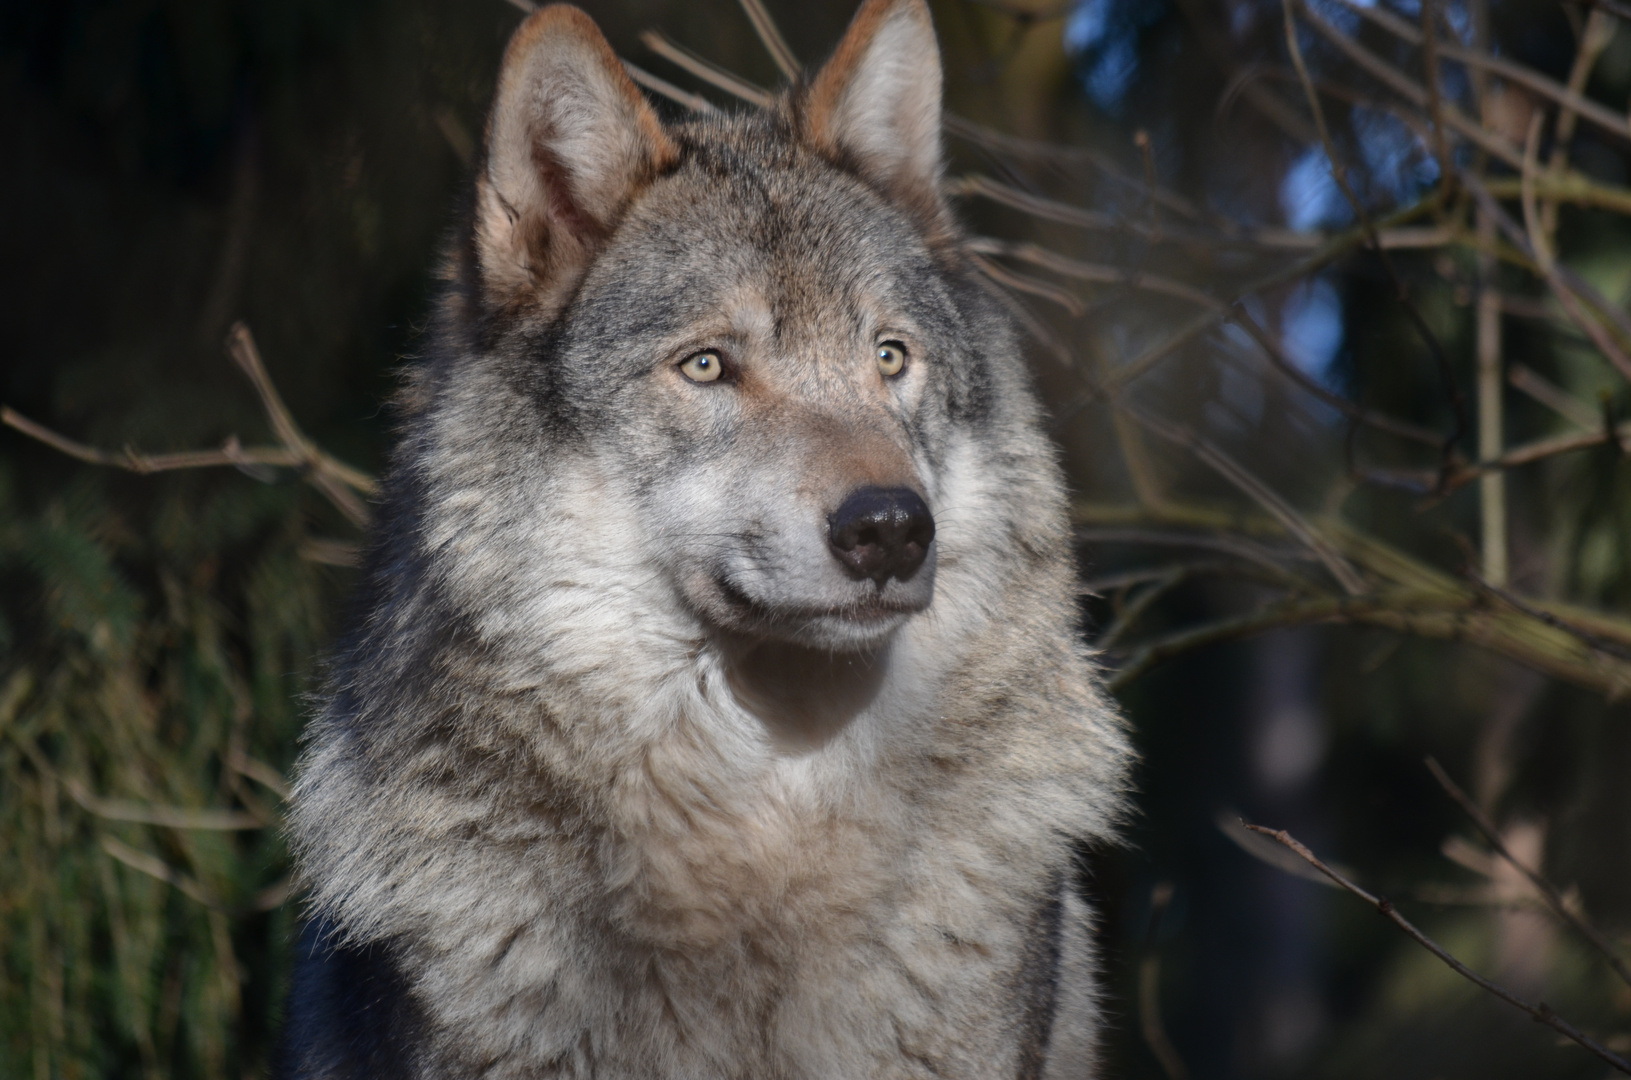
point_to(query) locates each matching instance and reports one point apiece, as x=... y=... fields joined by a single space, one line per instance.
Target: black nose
x=880 y=533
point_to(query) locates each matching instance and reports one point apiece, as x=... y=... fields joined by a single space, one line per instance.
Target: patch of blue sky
x=1396 y=164
x=1312 y=329
x=1309 y=197
x=1459 y=15
x=1339 y=15
x=1086 y=26
x=1102 y=36
x=1111 y=73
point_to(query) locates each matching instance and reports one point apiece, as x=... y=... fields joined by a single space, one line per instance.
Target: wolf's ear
x=876 y=103
x=570 y=140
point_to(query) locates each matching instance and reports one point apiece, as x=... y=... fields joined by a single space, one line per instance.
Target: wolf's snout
x=880 y=533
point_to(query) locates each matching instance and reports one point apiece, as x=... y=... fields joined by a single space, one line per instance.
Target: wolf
x=716 y=704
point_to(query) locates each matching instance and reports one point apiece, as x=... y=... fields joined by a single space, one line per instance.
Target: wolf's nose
x=880 y=533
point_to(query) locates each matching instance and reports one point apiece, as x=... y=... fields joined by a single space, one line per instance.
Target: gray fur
x=620 y=775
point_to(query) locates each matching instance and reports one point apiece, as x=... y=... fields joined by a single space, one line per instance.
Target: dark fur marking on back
x=350 y=1013
x=1039 y=981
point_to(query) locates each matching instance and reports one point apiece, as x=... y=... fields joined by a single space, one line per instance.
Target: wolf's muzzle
x=881 y=533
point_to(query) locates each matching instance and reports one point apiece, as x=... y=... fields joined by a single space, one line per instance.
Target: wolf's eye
x=703 y=367
x=891 y=358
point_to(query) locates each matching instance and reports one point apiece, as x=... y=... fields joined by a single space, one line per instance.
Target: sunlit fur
x=620 y=773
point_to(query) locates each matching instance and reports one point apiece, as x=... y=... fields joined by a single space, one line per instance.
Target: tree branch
x=1539 y=1011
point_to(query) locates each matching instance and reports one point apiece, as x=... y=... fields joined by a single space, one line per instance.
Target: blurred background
x=1348 y=447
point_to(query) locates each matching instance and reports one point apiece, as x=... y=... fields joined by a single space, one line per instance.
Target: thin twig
x=1487 y=348
x=706 y=70
x=695 y=102
x=337 y=481
x=1339 y=245
x=1594 y=38
x=1256 y=490
x=1219 y=541
x=1339 y=173
x=1571 y=187
x=1528 y=77
x=1538 y=450
x=1412 y=91
x=1554 y=397
x=1137 y=606
x=1094 y=272
x=272 y=896
x=980 y=186
x=1026 y=284
x=1435 y=94
x=173 y=817
x=134 y=461
x=1517 y=603
x=1358 y=413
x=1098 y=586
x=771 y=38
x=1149 y=991
x=1547 y=890
x=1034 y=149
x=1540 y=1011
x=1564 y=289
x=1218 y=48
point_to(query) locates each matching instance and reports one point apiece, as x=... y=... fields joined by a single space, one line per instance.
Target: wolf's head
x=730 y=376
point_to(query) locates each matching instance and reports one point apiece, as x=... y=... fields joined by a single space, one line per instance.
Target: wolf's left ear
x=876 y=103
x=569 y=142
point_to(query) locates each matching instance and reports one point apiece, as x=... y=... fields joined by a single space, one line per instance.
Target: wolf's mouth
x=873 y=611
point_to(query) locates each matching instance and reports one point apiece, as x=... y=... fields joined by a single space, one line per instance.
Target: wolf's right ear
x=569 y=142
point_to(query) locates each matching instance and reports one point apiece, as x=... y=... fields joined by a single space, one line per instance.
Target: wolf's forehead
x=799 y=236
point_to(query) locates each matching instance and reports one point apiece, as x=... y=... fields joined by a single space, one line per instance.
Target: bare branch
x=1002 y=143
x=334 y=479
x=1085 y=271
x=1528 y=77
x=1571 y=187
x=1594 y=38
x=1339 y=173
x=258 y=771
x=1435 y=94
x=172 y=817
x=271 y=897
x=1339 y=245
x=706 y=70
x=1257 y=491
x=1026 y=284
x=695 y=102
x=1540 y=1012
x=1282 y=363
x=1595 y=641
x=1548 y=892
x=1562 y=287
x=1220 y=541
x=1137 y=606
x=1412 y=91
x=230 y=453
x=1149 y=991
x=1552 y=396
x=337 y=481
x=771 y=38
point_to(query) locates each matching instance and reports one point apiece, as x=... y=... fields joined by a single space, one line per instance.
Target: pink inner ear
x=563 y=210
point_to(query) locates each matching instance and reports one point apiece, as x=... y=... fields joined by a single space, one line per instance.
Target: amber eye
x=891 y=357
x=703 y=367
